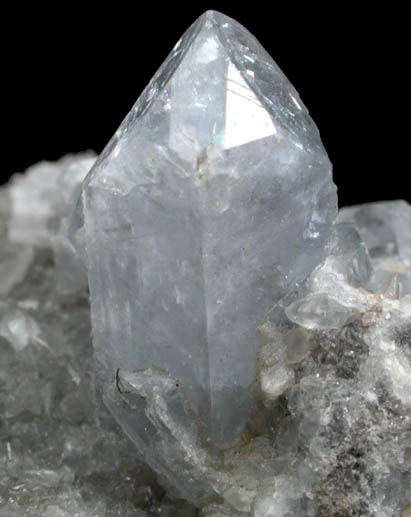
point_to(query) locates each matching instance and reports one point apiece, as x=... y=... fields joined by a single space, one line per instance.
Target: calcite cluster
x=190 y=329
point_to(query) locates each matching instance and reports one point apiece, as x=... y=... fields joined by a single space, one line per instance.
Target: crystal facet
x=213 y=198
x=383 y=227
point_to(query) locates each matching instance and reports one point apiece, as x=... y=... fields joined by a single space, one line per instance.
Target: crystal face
x=213 y=198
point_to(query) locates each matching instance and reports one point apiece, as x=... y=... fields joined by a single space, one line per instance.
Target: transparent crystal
x=213 y=198
x=172 y=435
x=383 y=227
x=349 y=256
x=318 y=311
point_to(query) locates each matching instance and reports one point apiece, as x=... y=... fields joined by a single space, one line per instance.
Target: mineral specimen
x=330 y=433
x=214 y=197
x=329 y=427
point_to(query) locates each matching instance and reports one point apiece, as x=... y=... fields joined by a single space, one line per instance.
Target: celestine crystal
x=212 y=200
x=250 y=347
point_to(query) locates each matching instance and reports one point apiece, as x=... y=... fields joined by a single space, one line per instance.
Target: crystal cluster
x=324 y=427
x=328 y=434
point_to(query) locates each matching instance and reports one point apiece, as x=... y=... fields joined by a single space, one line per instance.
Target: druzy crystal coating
x=213 y=198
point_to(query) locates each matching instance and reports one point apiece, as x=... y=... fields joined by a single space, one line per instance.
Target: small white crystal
x=41 y=194
x=297 y=345
x=275 y=380
x=318 y=311
x=20 y=329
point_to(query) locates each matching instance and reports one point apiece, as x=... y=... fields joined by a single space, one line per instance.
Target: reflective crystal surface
x=383 y=227
x=214 y=198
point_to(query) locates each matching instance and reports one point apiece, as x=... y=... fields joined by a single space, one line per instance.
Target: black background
x=71 y=74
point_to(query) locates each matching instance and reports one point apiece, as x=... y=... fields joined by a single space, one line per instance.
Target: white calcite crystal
x=328 y=429
x=213 y=198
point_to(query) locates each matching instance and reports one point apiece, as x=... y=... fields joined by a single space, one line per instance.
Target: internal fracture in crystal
x=213 y=198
